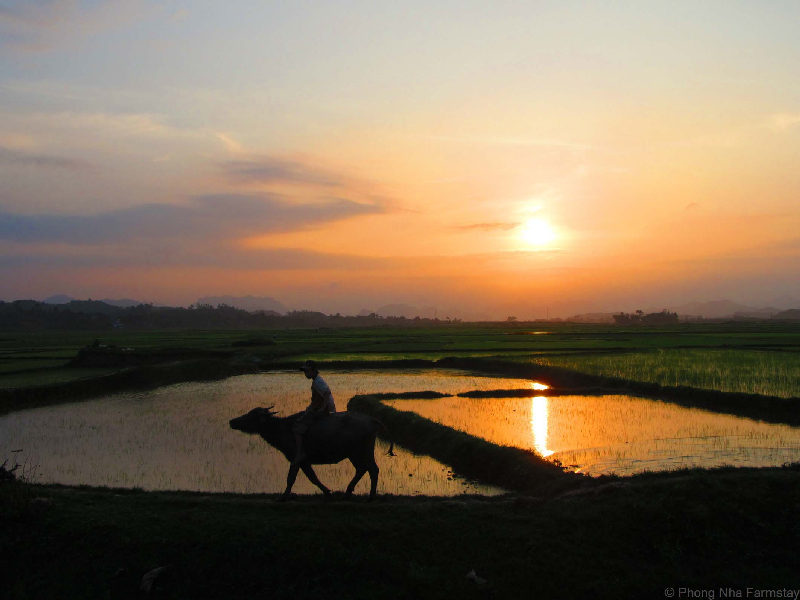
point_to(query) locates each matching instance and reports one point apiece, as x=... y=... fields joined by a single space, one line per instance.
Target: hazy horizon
x=525 y=159
x=711 y=309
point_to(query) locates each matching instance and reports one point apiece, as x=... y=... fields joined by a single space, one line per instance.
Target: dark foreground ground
x=645 y=537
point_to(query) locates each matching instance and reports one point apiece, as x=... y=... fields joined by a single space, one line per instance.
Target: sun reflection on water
x=539 y=425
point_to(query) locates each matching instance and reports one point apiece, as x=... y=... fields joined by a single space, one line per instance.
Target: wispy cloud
x=738 y=135
x=489 y=226
x=71 y=127
x=513 y=141
x=174 y=253
x=171 y=255
x=38 y=25
x=231 y=145
x=784 y=121
x=15 y=157
x=35 y=12
x=267 y=170
x=211 y=217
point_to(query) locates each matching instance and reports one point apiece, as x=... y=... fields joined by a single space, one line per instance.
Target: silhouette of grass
x=621 y=539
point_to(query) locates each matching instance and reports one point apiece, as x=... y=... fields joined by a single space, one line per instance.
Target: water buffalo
x=328 y=440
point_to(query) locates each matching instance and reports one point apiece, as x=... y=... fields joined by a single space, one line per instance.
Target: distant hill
x=248 y=303
x=64 y=299
x=93 y=307
x=793 y=314
x=123 y=302
x=759 y=313
x=720 y=309
x=58 y=299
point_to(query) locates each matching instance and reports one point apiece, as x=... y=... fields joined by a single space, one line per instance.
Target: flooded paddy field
x=177 y=437
x=623 y=435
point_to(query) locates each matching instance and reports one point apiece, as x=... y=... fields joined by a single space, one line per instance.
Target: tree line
x=97 y=315
x=640 y=318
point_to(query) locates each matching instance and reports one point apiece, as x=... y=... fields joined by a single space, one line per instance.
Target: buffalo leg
x=373 y=479
x=356 y=478
x=312 y=477
x=293 y=469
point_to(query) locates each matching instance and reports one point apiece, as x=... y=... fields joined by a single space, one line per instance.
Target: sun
x=537 y=233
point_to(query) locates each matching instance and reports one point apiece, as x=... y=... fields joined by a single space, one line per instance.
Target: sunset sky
x=486 y=158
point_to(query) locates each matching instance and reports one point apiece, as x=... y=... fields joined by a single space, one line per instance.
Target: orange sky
x=483 y=160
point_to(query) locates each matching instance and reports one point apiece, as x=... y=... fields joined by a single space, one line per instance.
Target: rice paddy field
x=759 y=358
x=766 y=372
x=170 y=485
x=615 y=434
x=177 y=437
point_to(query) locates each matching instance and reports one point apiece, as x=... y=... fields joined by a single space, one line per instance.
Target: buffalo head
x=255 y=421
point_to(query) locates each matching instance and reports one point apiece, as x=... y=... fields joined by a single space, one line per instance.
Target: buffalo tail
x=386 y=432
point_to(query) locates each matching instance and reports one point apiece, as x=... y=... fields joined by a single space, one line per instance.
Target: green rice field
x=747 y=371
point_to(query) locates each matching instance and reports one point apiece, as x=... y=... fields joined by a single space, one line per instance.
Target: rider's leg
x=299 y=429
x=299 y=455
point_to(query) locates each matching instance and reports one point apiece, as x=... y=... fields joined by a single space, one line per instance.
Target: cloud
x=175 y=256
x=38 y=25
x=181 y=251
x=14 y=157
x=210 y=217
x=275 y=170
x=231 y=145
x=489 y=226
x=784 y=121
x=34 y=12
x=513 y=141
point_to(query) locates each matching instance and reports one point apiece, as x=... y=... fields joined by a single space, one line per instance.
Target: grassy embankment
x=631 y=539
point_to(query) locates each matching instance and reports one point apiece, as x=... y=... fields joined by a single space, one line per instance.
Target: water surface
x=615 y=434
x=177 y=437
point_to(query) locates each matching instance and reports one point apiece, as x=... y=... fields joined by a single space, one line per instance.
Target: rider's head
x=310 y=369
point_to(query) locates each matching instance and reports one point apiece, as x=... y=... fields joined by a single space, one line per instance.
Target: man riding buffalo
x=321 y=406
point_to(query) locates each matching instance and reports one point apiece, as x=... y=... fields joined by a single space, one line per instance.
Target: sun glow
x=539 y=425
x=537 y=233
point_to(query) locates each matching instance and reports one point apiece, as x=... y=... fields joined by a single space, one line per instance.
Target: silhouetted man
x=321 y=406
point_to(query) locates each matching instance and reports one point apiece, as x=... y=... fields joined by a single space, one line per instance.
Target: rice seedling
x=745 y=371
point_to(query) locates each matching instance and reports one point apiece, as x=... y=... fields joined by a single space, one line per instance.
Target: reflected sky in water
x=615 y=434
x=177 y=437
